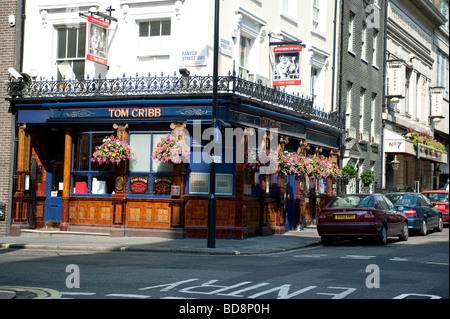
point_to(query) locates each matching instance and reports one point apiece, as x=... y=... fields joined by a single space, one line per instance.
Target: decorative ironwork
x=171 y=85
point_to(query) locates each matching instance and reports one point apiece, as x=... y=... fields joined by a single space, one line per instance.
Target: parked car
x=439 y=198
x=422 y=215
x=361 y=215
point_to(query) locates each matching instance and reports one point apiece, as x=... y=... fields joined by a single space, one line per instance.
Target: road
x=418 y=268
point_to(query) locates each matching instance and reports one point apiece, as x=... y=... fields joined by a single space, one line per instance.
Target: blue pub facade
x=59 y=124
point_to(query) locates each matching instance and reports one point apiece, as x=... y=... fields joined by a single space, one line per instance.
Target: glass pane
x=140 y=146
x=103 y=185
x=78 y=70
x=82 y=153
x=64 y=70
x=61 y=54
x=72 y=43
x=224 y=184
x=143 y=29
x=82 y=42
x=160 y=166
x=199 y=183
x=165 y=27
x=155 y=28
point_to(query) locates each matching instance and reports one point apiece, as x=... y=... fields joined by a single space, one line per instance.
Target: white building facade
x=417 y=95
x=160 y=37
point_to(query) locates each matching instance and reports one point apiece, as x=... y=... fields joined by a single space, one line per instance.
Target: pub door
x=291 y=211
x=54 y=183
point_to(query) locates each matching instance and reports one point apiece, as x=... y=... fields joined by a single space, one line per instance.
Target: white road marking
x=70 y=293
x=128 y=296
x=358 y=257
x=312 y=255
x=398 y=259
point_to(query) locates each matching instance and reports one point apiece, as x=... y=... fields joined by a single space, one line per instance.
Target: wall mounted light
x=395 y=163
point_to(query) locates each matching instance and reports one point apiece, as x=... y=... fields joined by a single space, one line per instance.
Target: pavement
x=56 y=240
x=80 y=241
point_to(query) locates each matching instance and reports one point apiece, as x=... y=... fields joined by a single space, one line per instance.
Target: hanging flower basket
x=261 y=162
x=112 y=151
x=171 y=150
x=288 y=163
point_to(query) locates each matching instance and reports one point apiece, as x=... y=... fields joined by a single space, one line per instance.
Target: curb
x=206 y=251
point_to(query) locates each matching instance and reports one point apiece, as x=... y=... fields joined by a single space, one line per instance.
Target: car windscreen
x=437 y=197
x=352 y=201
x=402 y=199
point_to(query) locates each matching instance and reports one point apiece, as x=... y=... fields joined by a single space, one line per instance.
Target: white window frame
x=375 y=47
x=70 y=60
x=364 y=41
x=351 y=31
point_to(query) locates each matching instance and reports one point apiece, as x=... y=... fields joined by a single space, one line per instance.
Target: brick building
x=8 y=32
x=360 y=79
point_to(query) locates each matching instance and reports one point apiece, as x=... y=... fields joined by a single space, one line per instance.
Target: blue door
x=291 y=212
x=53 y=202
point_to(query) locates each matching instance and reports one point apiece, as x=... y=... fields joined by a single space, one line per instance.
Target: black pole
x=212 y=179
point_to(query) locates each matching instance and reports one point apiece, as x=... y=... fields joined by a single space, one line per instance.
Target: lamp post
x=211 y=241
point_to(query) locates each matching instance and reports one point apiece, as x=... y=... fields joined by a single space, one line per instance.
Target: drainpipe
x=18 y=65
x=384 y=106
x=334 y=54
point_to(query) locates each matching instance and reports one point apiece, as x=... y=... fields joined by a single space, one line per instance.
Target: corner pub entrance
x=59 y=127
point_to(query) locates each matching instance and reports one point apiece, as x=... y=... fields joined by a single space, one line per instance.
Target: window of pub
x=147 y=176
x=89 y=177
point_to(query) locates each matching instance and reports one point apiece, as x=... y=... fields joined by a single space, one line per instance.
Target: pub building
x=60 y=123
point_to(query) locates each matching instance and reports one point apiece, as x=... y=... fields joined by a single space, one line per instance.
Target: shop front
x=61 y=185
x=417 y=160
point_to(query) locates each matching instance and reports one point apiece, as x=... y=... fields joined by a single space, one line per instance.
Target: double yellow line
x=41 y=293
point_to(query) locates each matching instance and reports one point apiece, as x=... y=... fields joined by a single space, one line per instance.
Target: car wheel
x=405 y=233
x=423 y=228
x=382 y=238
x=440 y=226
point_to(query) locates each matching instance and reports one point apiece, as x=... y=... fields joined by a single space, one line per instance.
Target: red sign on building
x=97 y=40
x=286 y=69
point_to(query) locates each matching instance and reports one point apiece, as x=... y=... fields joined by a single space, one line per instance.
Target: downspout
x=340 y=75
x=18 y=64
x=334 y=54
x=384 y=106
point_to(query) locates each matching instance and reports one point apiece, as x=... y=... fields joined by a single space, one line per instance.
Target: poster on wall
x=286 y=69
x=97 y=39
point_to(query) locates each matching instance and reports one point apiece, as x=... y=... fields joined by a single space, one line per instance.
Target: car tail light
x=322 y=217
x=410 y=212
x=369 y=216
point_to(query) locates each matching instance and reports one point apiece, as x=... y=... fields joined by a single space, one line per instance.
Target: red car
x=361 y=215
x=439 y=198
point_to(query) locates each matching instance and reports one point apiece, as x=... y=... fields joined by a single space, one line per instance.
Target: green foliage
x=367 y=177
x=349 y=171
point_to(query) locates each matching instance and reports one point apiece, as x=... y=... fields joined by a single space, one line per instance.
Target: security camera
x=14 y=73
x=184 y=72
x=12 y=20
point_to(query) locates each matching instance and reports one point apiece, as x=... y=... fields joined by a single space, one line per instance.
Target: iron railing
x=170 y=85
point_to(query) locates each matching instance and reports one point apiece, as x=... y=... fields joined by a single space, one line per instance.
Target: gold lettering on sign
x=266 y=122
x=135 y=112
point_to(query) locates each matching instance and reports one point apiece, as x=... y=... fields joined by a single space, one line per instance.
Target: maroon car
x=361 y=215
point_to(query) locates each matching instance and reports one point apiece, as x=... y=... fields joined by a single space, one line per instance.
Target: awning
x=396 y=144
